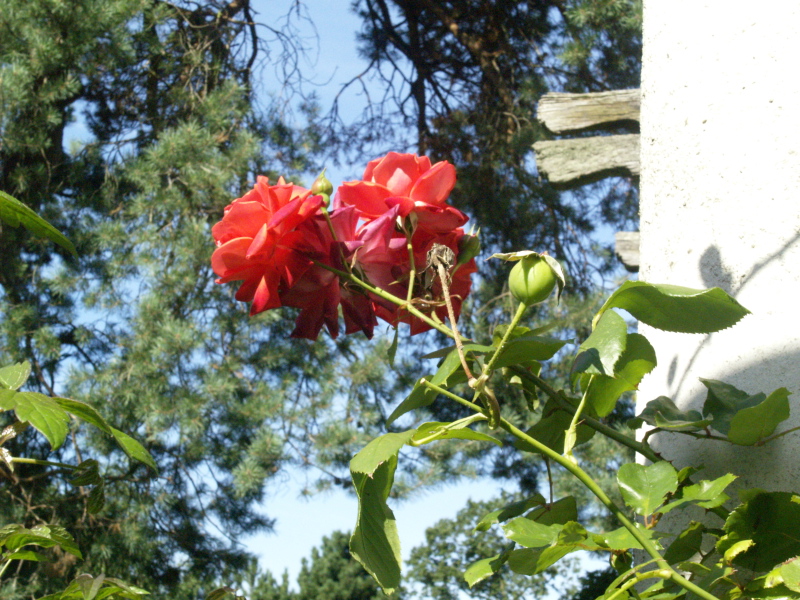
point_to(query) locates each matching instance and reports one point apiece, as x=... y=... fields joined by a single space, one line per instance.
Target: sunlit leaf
x=134 y=449
x=42 y=412
x=430 y=432
x=375 y=543
x=636 y=361
x=675 y=308
x=12 y=377
x=551 y=430
x=379 y=450
x=509 y=511
x=662 y=412
x=15 y=213
x=485 y=568
x=603 y=348
x=750 y=425
x=644 y=487
x=705 y=494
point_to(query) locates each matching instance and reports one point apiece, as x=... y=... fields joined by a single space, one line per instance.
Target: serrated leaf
x=134 y=449
x=675 y=308
x=603 y=348
x=530 y=561
x=750 y=425
x=13 y=377
x=705 y=494
x=532 y=534
x=662 y=412
x=644 y=487
x=43 y=536
x=42 y=412
x=15 y=213
x=686 y=544
x=638 y=359
x=525 y=349
x=771 y=520
x=484 y=568
x=97 y=499
x=562 y=511
x=85 y=412
x=375 y=543
x=790 y=571
x=509 y=511
x=25 y=555
x=433 y=431
x=379 y=451
x=622 y=539
x=724 y=401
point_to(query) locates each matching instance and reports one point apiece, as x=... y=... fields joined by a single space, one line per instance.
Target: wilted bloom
x=257 y=241
x=411 y=183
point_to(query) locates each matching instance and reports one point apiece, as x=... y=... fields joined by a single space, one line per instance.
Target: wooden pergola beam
x=562 y=113
x=580 y=161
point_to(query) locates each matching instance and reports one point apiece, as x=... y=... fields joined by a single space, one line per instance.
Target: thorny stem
x=387 y=296
x=586 y=480
x=444 y=278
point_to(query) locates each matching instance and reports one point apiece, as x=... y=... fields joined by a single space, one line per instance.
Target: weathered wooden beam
x=561 y=113
x=626 y=245
x=580 y=161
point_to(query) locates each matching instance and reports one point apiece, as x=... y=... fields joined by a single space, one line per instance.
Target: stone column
x=720 y=206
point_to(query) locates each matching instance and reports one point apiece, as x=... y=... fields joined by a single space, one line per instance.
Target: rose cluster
x=288 y=249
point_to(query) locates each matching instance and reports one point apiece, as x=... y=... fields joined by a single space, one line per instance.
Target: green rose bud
x=532 y=280
x=322 y=187
x=469 y=246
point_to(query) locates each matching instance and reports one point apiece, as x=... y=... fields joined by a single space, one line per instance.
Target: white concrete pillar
x=720 y=206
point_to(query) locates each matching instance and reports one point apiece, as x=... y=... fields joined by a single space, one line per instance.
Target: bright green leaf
x=724 y=401
x=433 y=431
x=644 y=487
x=750 y=425
x=84 y=412
x=485 y=568
x=636 y=361
x=379 y=451
x=375 y=543
x=562 y=511
x=531 y=534
x=15 y=213
x=674 y=308
x=41 y=412
x=25 y=555
x=134 y=449
x=790 y=571
x=12 y=377
x=524 y=349
x=603 y=348
x=705 y=494
x=509 y=511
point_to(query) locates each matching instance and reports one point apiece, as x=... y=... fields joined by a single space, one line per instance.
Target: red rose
x=411 y=183
x=257 y=241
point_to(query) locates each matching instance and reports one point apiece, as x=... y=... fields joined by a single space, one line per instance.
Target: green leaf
x=532 y=534
x=12 y=377
x=375 y=543
x=97 y=499
x=636 y=361
x=686 y=545
x=448 y=375
x=724 y=401
x=392 y=352
x=84 y=412
x=433 y=431
x=674 y=308
x=25 y=555
x=790 y=572
x=662 y=412
x=40 y=411
x=622 y=539
x=509 y=511
x=134 y=449
x=562 y=511
x=44 y=536
x=603 y=348
x=772 y=521
x=90 y=585
x=379 y=451
x=644 y=487
x=750 y=425
x=706 y=494
x=531 y=561
x=15 y=213
x=485 y=568
x=220 y=593
x=551 y=430
x=523 y=350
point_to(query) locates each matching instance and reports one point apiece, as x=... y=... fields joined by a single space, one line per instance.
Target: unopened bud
x=531 y=280
x=469 y=246
x=322 y=186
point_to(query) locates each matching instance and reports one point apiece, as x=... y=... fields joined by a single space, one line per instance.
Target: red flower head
x=411 y=183
x=257 y=241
